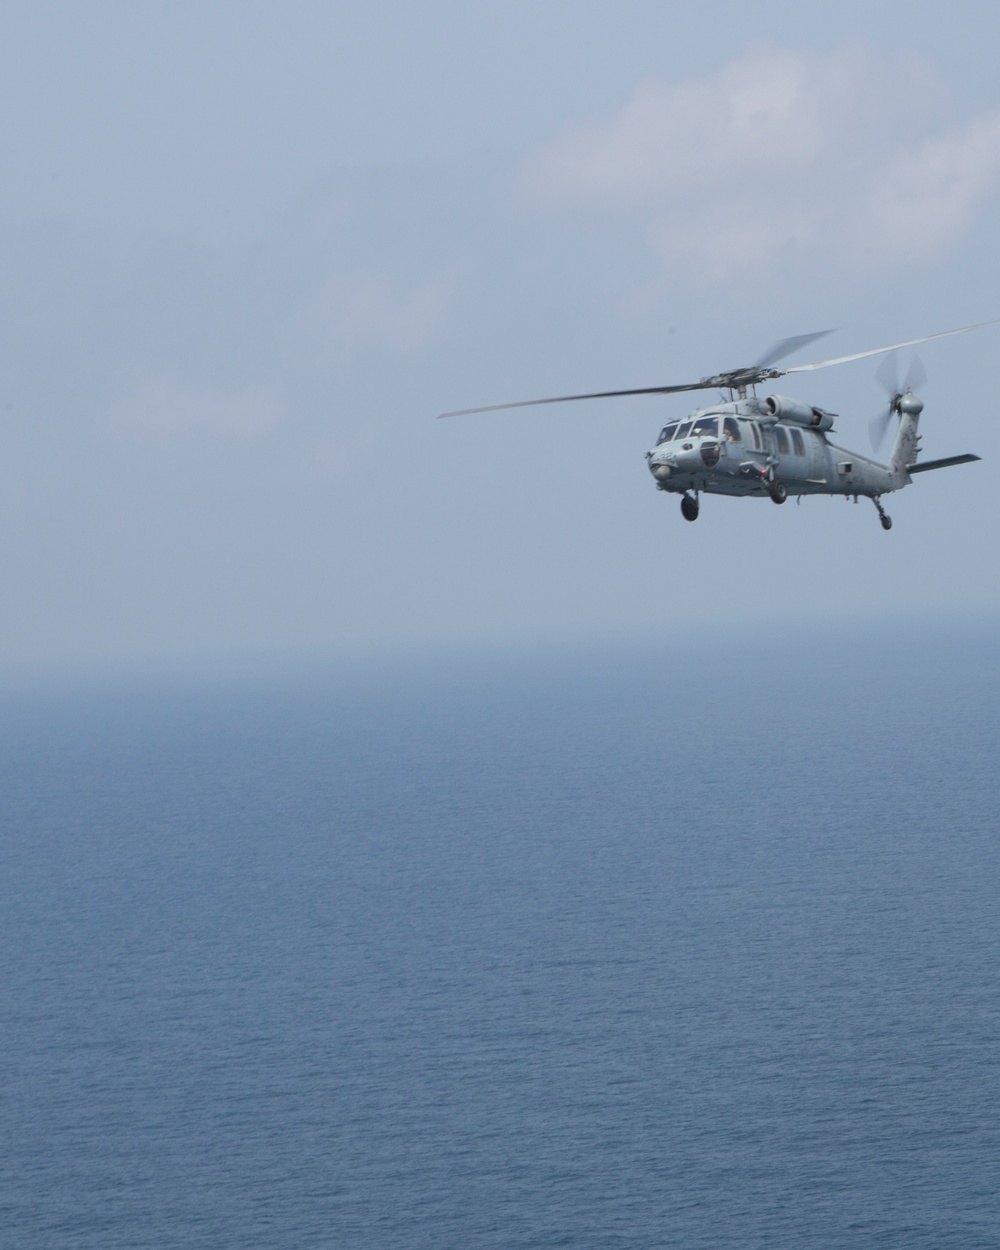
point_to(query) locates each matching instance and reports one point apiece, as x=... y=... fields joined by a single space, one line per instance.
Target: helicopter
x=774 y=447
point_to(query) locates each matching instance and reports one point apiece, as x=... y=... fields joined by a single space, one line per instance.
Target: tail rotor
x=887 y=376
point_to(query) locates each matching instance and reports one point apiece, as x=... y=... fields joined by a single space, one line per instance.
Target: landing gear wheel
x=778 y=491
x=689 y=508
x=886 y=522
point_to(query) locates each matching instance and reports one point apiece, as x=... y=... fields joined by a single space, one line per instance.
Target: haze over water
x=690 y=943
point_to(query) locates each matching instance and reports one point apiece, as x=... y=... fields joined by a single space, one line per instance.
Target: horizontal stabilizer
x=941 y=464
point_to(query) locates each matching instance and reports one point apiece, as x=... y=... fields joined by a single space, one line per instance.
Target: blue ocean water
x=688 y=943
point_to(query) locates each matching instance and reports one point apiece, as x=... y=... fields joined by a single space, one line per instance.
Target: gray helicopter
x=775 y=447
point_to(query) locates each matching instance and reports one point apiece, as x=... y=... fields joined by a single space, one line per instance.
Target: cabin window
x=731 y=430
x=756 y=434
x=797 y=443
x=781 y=439
x=667 y=433
x=706 y=425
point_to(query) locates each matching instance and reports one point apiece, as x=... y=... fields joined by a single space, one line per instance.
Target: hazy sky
x=249 y=251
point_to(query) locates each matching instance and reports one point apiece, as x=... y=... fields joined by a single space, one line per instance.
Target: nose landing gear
x=689 y=507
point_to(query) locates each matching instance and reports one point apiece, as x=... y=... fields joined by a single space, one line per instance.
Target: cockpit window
x=685 y=430
x=731 y=430
x=667 y=433
x=706 y=425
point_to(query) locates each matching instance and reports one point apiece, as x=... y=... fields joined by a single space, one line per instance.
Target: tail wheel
x=886 y=520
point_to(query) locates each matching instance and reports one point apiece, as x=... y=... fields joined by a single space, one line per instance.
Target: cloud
x=930 y=196
x=834 y=162
x=367 y=308
x=166 y=407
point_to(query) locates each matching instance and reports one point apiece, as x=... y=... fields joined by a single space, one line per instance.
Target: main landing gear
x=777 y=490
x=886 y=520
x=689 y=507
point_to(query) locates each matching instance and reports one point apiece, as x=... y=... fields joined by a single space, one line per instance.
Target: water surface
x=688 y=943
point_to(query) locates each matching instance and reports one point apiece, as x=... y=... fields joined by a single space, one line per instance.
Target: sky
x=250 y=251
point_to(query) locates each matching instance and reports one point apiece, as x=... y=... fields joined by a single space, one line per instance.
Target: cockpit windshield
x=706 y=425
x=667 y=433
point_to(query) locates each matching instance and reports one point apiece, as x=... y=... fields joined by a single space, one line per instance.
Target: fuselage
x=738 y=448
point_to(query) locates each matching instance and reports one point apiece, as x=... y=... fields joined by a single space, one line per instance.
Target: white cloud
x=168 y=407
x=368 y=308
x=835 y=162
x=930 y=195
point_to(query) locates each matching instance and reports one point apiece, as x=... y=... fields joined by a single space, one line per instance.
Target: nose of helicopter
x=679 y=459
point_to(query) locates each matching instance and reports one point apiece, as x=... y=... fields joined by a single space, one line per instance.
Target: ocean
x=682 y=942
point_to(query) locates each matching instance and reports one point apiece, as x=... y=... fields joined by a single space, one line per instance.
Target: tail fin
x=946 y=463
x=907 y=444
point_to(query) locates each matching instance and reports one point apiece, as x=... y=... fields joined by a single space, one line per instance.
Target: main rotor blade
x=876 y=351
x=734 y=379
x=785 y=348
x=565 y=399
